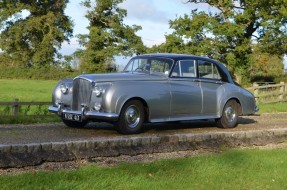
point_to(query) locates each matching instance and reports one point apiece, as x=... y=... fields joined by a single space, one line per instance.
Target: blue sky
x=152 y=15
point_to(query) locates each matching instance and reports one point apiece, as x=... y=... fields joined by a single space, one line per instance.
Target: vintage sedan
x=154 y=88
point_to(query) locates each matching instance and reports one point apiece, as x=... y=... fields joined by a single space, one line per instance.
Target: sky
x=152 y=15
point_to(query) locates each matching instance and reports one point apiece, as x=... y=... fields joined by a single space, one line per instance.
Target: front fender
x=155 y=94
x=58 y=96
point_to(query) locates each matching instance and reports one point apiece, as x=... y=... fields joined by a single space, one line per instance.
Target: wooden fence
x=269 y=93
x=15 y=106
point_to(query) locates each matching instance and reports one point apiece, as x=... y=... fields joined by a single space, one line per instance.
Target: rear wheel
x=75 y=124
x=229 y=116
x=131 y=118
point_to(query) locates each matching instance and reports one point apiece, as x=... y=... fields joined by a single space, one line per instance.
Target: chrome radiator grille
x=81 y=93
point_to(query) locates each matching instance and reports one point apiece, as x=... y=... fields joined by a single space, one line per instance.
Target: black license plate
x=72 y=117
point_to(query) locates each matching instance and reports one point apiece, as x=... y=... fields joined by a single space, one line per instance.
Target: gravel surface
x=58 y=132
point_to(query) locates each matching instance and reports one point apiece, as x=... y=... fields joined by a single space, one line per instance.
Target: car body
x=154 y=88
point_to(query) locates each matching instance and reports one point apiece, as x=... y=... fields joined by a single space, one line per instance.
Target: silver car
x=154 y=88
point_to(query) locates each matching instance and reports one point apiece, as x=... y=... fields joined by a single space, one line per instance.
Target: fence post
x=256 y=91
x=282 y=89
x=15 y=106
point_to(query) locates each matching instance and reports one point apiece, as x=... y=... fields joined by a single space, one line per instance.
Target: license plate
x=72 y=117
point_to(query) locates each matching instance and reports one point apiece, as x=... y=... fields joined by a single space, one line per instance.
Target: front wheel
x=131 y=118
x=229 y=116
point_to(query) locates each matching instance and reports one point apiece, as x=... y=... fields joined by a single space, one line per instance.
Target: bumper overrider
x=83 y=114
x=256 y=108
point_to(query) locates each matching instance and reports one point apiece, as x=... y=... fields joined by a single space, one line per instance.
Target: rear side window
x=184 y=69
x=208 y=70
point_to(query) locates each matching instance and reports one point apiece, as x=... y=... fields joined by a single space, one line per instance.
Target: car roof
x=174 y=56
x=177 y=57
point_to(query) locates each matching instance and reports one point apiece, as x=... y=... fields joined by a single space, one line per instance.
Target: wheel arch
x=237 y=101
x=144 y=103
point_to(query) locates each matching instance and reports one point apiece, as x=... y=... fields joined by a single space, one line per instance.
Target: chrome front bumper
x=85 y=114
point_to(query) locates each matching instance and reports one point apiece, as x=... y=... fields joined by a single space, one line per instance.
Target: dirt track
x=58 y=132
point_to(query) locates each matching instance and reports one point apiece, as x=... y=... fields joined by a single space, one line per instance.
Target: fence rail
x=16 y=104
x=269 y=93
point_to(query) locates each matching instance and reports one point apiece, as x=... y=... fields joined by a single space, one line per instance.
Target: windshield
x=151 y=65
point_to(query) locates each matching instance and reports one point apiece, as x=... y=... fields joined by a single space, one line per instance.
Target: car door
x=186 y=95
x=211 y=85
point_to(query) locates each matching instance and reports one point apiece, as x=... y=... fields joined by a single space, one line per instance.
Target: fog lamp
x=97 y=106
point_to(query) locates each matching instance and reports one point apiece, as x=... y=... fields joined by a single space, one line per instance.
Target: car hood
x=122 y=76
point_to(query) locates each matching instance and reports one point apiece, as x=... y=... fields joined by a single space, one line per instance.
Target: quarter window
x=184 y=68
x=208 y=70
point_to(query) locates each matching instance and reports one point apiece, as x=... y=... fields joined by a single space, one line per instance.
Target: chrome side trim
x=86 y=114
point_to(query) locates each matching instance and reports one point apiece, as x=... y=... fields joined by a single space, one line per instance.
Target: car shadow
x=246 y=121
x=168 y=126
x=196 y=124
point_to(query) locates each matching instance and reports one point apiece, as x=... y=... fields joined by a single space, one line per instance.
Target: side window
x=184 y=68
x=208 y=70
x=159 y=66
x=137 y=65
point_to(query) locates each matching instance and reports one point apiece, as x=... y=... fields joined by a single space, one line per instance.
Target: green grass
x=26 y=90
x=232 y=169
x=273 y=108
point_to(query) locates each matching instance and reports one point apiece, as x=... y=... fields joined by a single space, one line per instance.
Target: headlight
x=98 y=90
x=64 y=88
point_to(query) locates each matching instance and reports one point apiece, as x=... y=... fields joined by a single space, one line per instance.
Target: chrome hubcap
x=230 y=114
x=132 y=116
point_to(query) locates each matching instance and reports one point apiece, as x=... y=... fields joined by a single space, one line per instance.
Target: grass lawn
x=232 y=169
x=26 y=90
x=273 y=108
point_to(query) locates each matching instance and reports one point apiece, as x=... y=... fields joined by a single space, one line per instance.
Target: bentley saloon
x=154 y=88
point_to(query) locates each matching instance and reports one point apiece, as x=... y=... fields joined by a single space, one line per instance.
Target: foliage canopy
x=33 y=40
x=108 y=35
x=231 y=31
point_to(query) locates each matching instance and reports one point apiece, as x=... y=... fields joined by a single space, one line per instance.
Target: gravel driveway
x=58 y=132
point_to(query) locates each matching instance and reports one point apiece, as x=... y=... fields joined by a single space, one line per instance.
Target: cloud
x=144 y=10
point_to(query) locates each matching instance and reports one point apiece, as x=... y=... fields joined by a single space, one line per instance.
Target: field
x=231 y=169
x=26 y=90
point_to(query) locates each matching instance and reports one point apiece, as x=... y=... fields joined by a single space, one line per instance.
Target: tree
x=33 y=40
x=108 y=35
x=265 y=66
x=230 y=33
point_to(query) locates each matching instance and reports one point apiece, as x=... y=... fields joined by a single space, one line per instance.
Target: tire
x=229 y=116
x=75 y=124
x=131 y=118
